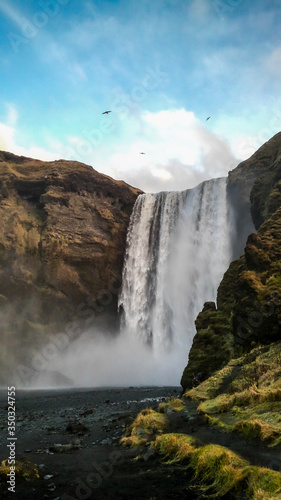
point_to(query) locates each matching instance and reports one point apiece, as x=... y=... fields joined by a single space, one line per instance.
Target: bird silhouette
x=208 y=118
x=106 y=112
x=142 y=153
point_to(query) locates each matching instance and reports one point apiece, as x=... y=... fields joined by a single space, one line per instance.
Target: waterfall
x=178 y=248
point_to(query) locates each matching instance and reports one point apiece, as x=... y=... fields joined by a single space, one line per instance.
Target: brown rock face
x=62 y=241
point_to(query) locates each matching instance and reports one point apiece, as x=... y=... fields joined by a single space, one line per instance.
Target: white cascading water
x=178 y=248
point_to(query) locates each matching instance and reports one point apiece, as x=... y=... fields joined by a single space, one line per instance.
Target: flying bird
x=106 y=112
x=142 y=153
x=208 y=118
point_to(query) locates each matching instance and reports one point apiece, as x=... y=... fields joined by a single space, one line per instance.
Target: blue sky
x=161 y=66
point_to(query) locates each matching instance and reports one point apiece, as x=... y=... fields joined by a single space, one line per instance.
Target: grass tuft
x=145 y=427
x=176 y=447
x=23 y=469
x=218 y=470
x=174 y=404
x=256 y=428
x=263 y=483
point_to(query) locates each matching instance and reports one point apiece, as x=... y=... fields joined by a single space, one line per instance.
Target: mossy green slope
x=243 y=400
x=245 y=396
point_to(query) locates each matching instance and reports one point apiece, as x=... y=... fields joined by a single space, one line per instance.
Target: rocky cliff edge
x=63 y=232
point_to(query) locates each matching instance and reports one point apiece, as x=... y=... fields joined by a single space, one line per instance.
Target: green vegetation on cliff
x=248 y=311
x=245 y=395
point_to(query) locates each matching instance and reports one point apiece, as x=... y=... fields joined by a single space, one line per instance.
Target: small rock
x=148 y=454
x=86 y=412
x=60 y=448
x=106 y=441
x=76 y=427
x=27 y=451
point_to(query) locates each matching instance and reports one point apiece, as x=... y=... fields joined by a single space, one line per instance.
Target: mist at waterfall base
x=179 y=245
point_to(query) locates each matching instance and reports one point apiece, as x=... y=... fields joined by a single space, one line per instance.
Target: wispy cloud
x=9 y=142
x=12 y=114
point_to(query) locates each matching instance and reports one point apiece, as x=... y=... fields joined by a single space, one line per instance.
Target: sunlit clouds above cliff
x=161 y=67
x=179 y=152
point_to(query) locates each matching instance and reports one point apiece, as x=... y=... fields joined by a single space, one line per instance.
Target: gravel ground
x=73 y=437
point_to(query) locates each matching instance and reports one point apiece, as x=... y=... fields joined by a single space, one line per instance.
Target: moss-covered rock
x=248 y=309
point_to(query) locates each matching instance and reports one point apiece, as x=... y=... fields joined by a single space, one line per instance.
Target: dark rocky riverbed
x=73 y=437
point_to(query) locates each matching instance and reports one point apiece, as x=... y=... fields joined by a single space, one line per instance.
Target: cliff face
x=62 y=242
x=248 y=311
x=258 y=170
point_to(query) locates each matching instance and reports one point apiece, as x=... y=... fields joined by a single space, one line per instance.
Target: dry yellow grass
x=150 y=421
x=174 y=404
x=218 y=471
x=256 y=428
x=145 y=427
x=175 y=447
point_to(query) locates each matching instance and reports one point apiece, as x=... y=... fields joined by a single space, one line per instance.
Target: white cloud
x=12 y=115
x=8 y=143
x=180 y=152
x=6 y=138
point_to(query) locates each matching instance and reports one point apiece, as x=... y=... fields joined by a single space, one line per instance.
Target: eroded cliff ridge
x=248 y=309
x=63 y=232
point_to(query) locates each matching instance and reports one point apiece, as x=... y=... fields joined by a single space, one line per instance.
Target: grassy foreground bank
x=243 y=400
